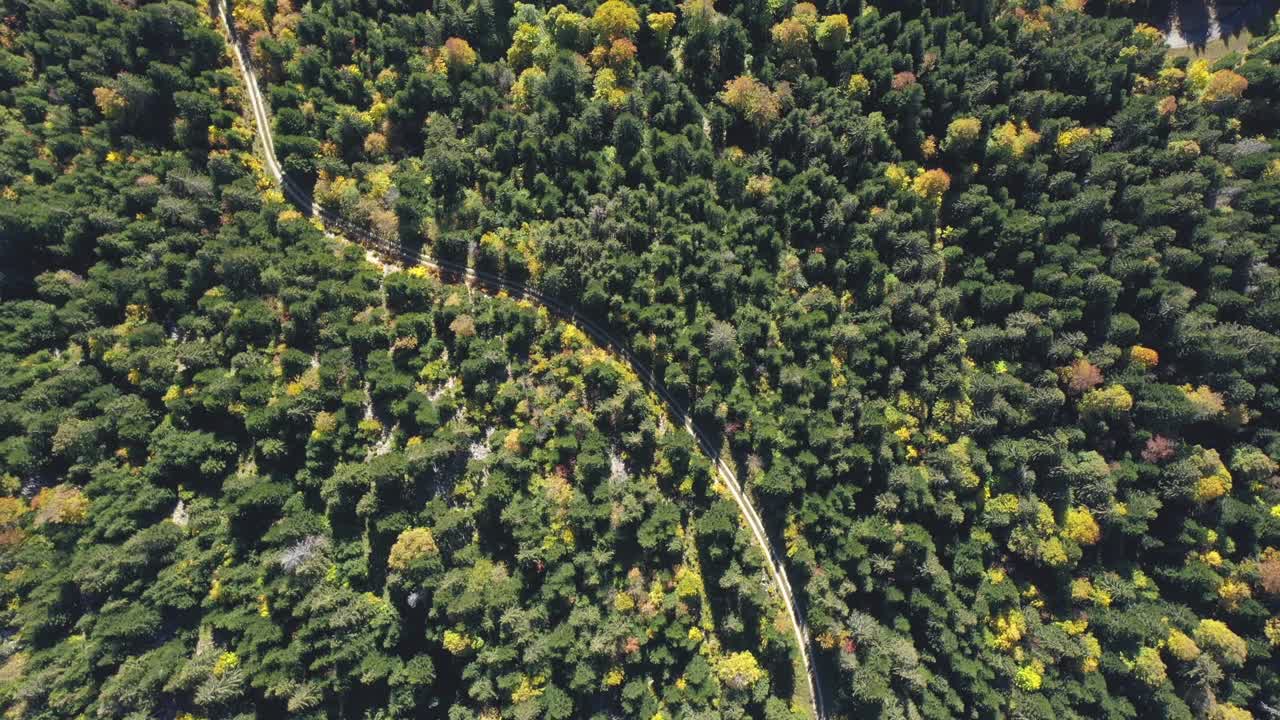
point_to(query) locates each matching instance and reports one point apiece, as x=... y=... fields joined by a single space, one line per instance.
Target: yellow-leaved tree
x=615 y=19
x=412 y=545
x=739 y=670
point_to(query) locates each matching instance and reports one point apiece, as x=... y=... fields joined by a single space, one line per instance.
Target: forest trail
x=602 y=337
x=1197 y=24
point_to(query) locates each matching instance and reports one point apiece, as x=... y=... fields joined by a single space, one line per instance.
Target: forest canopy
x=980 y=300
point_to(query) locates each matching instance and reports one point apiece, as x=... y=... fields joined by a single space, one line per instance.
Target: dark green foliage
x=919 y=394
x=220 y=433
x=1013 y=422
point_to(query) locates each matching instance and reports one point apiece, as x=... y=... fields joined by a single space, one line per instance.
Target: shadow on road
x=1196 y=23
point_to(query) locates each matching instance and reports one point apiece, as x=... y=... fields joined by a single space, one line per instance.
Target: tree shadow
x=1196 y=23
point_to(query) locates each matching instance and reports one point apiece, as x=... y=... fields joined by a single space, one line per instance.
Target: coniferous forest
x=978 y=300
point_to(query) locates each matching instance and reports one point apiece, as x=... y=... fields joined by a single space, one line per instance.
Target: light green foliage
x=1106 y=402
x=1217 y=638
x=1149 y=667
x=412 y=545
x=739 y=670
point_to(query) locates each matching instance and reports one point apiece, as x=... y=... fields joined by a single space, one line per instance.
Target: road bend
x=566 y=312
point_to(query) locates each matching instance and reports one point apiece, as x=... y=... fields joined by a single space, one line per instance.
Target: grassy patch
x=1215 y=49
x=800 y=696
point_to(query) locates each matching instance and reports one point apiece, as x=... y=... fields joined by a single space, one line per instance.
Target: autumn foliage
x=615 y=19
x=1082 y=376
x=903 y=80
x=753 y=99
x=411 y=545
x=931 y=184
x=1225 y=85
x=60 y=505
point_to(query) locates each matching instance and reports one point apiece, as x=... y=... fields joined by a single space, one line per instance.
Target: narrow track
x=602 y=337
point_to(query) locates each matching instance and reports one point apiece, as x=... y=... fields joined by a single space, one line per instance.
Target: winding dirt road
x=602 y=337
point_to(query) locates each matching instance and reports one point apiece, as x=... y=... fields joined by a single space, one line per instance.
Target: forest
x=979 y=299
